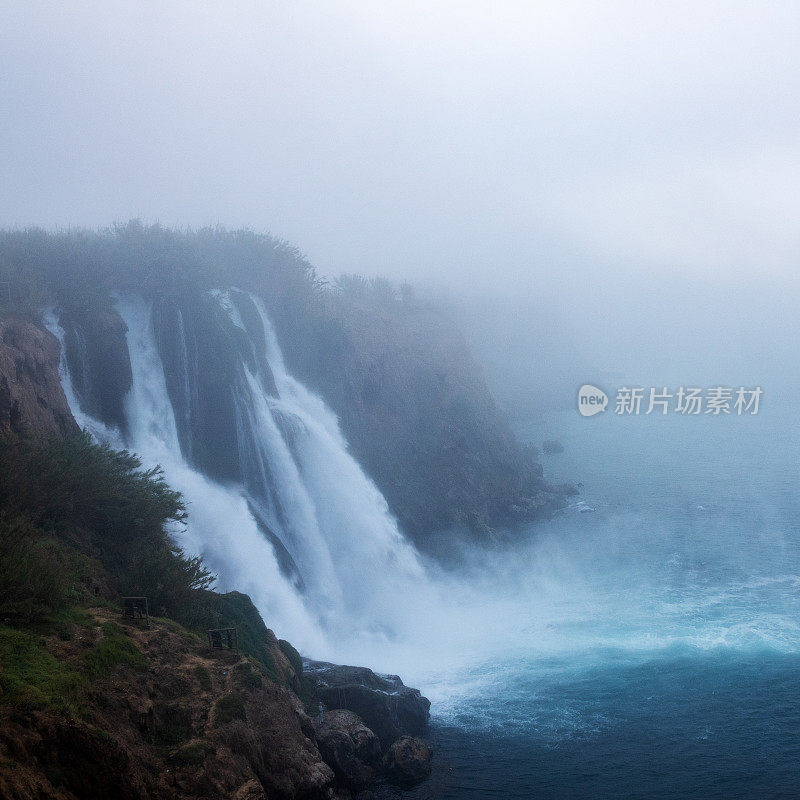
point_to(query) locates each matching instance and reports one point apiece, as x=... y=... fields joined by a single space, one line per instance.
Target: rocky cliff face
x=164 y=716
x=412 y=403
x=94 y=707
x=99 y=363
x=419 y=416
x=31 y=397
x=174 y=719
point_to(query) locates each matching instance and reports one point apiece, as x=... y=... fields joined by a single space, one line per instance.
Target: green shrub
x=245 y=675
x=114 y=650
x=102 y=503
x=233 y=610
x=191 y=753
x=295 y=659
x=32 y=579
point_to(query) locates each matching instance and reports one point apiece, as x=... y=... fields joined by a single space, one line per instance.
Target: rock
x=408 y=761
x=252 y=790
x=349 y=747
x=31 y=397
x=99 y=361
x=385 y=704
x=418 y=414
x=155 y=734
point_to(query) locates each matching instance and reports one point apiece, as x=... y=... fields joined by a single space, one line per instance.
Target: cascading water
x=98 y=429
x=298 y=481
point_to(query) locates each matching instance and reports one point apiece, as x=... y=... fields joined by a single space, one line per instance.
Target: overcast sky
x=485 y=141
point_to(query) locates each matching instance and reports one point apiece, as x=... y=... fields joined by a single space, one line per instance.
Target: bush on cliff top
x=80 y=267
x=101 y=503
x=75 y=515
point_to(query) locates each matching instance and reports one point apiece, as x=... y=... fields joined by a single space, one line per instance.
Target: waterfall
x=304 y=531
x=353 y=515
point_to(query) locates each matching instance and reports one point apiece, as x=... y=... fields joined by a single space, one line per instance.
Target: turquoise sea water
x=656 y=651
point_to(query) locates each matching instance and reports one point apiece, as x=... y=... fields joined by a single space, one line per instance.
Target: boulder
x=408 y=761
x=349 y=747
x=385 y=704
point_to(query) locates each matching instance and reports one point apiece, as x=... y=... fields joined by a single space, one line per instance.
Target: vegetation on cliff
x=81 y=524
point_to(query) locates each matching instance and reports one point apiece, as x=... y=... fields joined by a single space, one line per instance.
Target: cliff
x=418 y=414
x=31 y=397
x=100 y=709
x=93 y=705
x=412 y=403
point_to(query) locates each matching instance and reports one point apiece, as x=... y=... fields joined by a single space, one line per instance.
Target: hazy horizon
x=498 y=144
x=591 y=188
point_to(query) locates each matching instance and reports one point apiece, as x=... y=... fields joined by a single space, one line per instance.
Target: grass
x=191 y=753
x=247 y=676
x=203 y=677
x=113 y=650
x=31 y=677
x=63 y=623
x=295 y=659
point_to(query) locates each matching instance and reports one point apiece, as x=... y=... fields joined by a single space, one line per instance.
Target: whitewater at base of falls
x=362 y=579
x=651 y=573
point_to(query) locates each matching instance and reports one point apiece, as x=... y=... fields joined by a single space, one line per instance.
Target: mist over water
x=651 y=640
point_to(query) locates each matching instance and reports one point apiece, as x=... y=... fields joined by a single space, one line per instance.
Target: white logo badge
x=591 y=400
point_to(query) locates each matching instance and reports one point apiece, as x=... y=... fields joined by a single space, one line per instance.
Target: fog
x=623 y=173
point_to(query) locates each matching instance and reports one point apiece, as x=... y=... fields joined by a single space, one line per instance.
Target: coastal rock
x=31 y=397
x=408 y=761
x=385 y=704
x=349 y=747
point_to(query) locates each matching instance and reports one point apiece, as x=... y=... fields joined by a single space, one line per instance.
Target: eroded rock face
x=31 y=397
x=349 y=747
x=418 y=416
x=385 y=704
x=408 y=761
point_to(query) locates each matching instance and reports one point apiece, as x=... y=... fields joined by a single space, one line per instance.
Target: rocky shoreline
x=367 y=726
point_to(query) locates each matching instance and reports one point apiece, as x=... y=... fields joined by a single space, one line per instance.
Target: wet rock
x=385 y=704
x=408 y=761
x=349 y=747
x=99 y=361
